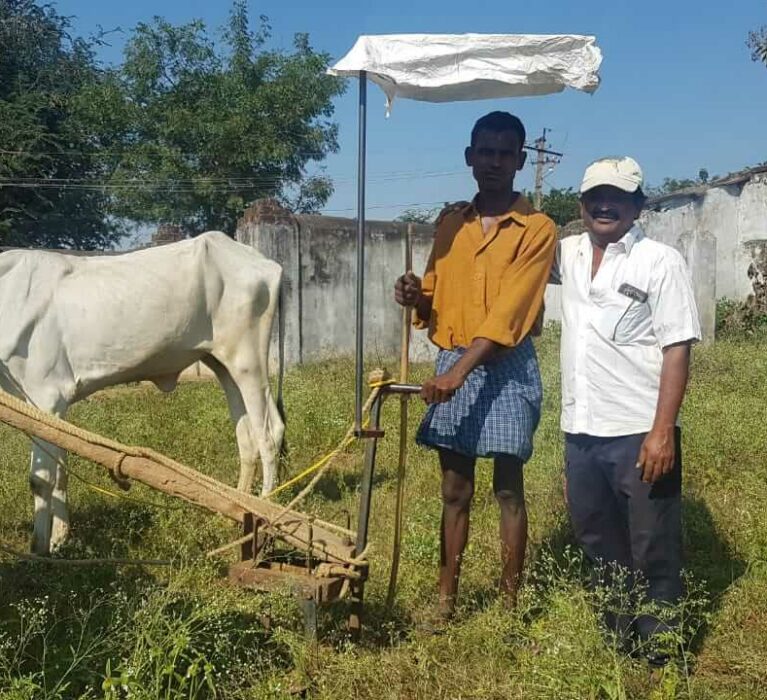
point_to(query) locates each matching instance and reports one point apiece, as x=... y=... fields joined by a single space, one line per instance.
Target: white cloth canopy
x=454 y=67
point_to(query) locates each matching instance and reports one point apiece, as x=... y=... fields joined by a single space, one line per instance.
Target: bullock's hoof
x=38 y=548
x=59 y=536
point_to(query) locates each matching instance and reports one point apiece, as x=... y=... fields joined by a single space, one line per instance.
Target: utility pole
x=543 y=157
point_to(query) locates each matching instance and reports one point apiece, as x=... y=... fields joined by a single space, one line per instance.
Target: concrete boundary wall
x=720 y=229
x=319 y=272
x=318 y=255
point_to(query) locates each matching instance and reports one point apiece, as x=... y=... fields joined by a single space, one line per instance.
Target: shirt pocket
x=620 y=319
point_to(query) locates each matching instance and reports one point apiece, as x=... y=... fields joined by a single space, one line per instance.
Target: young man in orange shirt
x=480 y=298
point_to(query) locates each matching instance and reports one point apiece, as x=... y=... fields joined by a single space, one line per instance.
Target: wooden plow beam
x=325 y=542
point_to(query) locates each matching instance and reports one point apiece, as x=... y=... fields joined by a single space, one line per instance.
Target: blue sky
x=679 y=91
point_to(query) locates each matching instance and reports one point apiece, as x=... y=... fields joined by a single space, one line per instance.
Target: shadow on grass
x=385 y=627
x=333 y=487
x=65 y=622
x=99 y=531
x=111 y=528
x=708 y=557
x=69 y=624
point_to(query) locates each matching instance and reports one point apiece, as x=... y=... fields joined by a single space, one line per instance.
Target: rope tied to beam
x=377 y=379
x=52 y=561
x=120 y=479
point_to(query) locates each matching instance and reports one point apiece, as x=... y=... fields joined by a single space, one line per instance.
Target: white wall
x=719 y=231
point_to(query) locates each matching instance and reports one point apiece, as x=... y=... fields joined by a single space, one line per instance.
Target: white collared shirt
x=611 y=350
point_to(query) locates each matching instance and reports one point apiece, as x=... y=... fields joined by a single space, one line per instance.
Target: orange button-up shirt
x=488 y=285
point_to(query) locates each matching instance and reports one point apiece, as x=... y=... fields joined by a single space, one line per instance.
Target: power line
x=232 y=184
x=544 y=157
x=396 y=175
x=402 y=205
x=156 y=150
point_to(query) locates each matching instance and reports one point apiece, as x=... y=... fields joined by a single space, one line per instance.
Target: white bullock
x=72 y=325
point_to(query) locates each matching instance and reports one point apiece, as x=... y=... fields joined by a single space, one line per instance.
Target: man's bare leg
x=508 y=484
x=457 y=492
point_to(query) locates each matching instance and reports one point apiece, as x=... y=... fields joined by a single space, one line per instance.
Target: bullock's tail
x=281 y=377
x=280 y=353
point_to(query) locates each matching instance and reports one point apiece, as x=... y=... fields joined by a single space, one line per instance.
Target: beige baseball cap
x=621 y=172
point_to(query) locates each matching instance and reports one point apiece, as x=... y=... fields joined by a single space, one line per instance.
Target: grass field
x=181 y=632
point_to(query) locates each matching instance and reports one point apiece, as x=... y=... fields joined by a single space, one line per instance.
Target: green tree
x=757 y=42
x=671 y=184
x=46 y=154
x=199 y=131
x=419 y=216
x=562 y=205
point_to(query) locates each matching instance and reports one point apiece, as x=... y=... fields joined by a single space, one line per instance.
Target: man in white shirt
x=628 y=321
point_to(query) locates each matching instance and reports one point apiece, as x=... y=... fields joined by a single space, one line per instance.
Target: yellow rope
x=245 y=501
x=339 y=448
x=378 y=380
x=309 y=470
x=383 y=382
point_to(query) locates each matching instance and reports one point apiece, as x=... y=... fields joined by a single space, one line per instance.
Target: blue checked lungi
x=494 y=413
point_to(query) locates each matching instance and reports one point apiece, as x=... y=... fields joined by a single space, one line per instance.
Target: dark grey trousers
x=619 y=519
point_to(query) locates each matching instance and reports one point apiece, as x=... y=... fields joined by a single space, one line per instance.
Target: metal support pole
x=366 y=487
x=309 y=609
x=366 y=492
x=359 y=351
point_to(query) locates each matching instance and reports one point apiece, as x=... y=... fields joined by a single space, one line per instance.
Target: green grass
x=181 y=632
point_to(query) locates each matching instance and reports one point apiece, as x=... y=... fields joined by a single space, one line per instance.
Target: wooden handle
x=407 y=312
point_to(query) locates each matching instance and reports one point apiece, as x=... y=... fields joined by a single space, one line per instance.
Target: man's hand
x=656 y=456
x=407 y=290
x=441 y=388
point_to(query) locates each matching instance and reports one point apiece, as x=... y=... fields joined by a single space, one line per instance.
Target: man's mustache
x=605 y=213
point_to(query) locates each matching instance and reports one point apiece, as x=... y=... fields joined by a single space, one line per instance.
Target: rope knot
x=379 y=377
x=116 y=473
